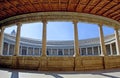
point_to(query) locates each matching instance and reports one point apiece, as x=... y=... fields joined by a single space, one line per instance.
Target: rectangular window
x=48 y=51
x=11 y=50
x=114 y=49
x=71 y=51
x=83 y=50
x=89 y=49
x=60 y=52
x=24 y=50
x=40 y=51
x=108 y=49
x=66 y=52
x=5 y=48
x=36 y=51
x=30 y=51
x=95 y=50
x=54 y=51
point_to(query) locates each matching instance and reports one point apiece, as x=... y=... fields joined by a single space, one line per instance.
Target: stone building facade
x=33 y=47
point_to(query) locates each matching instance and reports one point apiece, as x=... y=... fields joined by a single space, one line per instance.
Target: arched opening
x=60 y=39
x=31 y=37
x=109 y=41
x=88 y=39
x=9 y=40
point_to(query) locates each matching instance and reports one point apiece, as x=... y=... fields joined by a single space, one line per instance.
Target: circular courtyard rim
x=101 y=12
x=44 y=62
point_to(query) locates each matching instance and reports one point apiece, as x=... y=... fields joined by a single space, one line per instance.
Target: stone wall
x=112 y=62
x=28 y=62
x=60 y=63
x=5 y=61
x=89 y=63
x=54 y=63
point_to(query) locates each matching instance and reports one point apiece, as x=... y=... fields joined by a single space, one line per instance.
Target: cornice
x=59 y=16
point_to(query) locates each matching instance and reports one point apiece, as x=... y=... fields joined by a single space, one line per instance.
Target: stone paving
x=12 y=73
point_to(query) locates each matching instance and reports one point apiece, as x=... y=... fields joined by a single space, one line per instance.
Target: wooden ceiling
x=105 y=8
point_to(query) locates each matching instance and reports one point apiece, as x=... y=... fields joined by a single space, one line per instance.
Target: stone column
x=8 y=49
x=1 y=40
x=51 y=52
x=39 y=51
x=86 y=51
x=44 y=38
x=76 y=42
x=57 y=52
x=43 y=59
x=102 y=43
x=99 y=50
x=111 y=49
x=21 y=50
x=117 y=41
x=92 y=50
x=27 y=51
x=33 y=51
x=16 y=51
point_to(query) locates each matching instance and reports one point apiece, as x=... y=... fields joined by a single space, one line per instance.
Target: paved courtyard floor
x=14 y=73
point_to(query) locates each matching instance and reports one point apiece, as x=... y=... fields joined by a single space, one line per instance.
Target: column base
x=43 y=63
x=14 y=62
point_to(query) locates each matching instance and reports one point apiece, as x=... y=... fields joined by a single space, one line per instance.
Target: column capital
x=2 y=28
x=75 y=21
x=116 y=28
x=19 y=24
x=44 y=21
x=100 y=24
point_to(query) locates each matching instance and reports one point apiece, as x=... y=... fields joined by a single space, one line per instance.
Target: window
x=24 y=50
x=108 y=49
x=83 y=50
x=114 y=49
x=66 y=52
x=40 y=50
x=36 y=51
x=95 y=50
x=11 y=50
x=54 y=51
x=71 y=51
x=89 y=49
x=60 y=52
x=5 y=48
x=48 y=51
x=30 y=51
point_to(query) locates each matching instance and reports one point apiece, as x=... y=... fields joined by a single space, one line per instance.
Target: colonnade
x=76 y=42
x=58 y=51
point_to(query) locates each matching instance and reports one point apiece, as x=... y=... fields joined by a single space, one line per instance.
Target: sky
x=60 y=30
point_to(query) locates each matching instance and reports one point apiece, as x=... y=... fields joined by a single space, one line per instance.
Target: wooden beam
x=95 y=6
x=109 y=8
x=86 y=5
x=97 y=12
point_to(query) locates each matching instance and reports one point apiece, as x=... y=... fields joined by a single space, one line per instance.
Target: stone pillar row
x=76 y=41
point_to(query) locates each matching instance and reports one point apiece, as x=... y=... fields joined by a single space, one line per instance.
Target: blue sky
x=60 y=30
